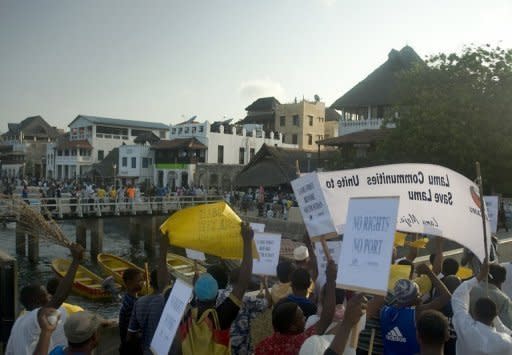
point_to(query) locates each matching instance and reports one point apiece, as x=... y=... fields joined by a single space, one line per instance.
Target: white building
x=136 y=164
x=89 y=141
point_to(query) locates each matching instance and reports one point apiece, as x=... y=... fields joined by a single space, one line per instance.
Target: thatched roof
x=366 y=136
x=331 y=115
x=178 y=143
x=274 y=166
x=105 y=168
x=149 y=137
x=32 y=126
x=378 y=88
x=264 y=104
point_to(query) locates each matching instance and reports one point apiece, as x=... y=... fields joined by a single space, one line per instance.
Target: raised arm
x=64 y=288
x=437 y=266
x=246 y=266
x=329 y=299
x=47 y=328
x=444 y=295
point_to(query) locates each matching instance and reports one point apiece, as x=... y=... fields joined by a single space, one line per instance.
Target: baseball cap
x=206 y=288
x=300 y=253
x=81 y=326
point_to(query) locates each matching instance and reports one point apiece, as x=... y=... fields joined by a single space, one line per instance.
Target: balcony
x=349 y=126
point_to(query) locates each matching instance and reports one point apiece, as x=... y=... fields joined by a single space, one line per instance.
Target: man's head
x=432 y=330
x=497 y=274
x=220 y=274
x=133 y=280
x=301 y=280
x=406 y=293
x=301 y=255
x=288 y=318
x=485 y=311
x=81 y=329
x=206 y=289
x=285 y=270
x=450 y=267
x=33 y=296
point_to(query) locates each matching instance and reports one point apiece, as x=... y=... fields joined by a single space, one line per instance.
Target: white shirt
x=507 y=285
x=25 y=334
x=475 y=337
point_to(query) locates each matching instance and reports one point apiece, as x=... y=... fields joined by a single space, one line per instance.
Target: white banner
x=365 y=259
x=433 y=200
x=195 y=255
x=491 y=203
x=269 y=246
x=171 y=317
x=321 y=260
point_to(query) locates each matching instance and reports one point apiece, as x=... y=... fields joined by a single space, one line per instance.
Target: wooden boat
x=86 y=283
x=182 y=267
x=115 y=265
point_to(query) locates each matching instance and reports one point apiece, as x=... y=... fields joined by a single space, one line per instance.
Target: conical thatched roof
x=378 y=88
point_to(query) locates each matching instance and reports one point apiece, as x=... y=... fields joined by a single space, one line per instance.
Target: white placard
x=365 y=259
x=170 y=319
x=321 y=260
x=195 y=255
x=269 y=246
x=258 y=227
x=433 y=200
x=491 y=205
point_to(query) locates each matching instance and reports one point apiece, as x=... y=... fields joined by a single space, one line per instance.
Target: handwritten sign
x=195 y=255
x=321 y=260
x=268 y=245
x=365 y=259
x=171 y=317
x=258 y=227
x=491 y=205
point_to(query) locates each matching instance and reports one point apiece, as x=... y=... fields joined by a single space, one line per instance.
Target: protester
x=301 y=281
x=432 y=332
x=283 y=288
x=134 y=282
x=26 y=330
x=205 y=327
x=483 y=332
x=51 y=286
x=289 y=323
x=398 y=319
x=492 y=288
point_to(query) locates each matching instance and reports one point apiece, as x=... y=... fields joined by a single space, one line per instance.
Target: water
x=115 y=241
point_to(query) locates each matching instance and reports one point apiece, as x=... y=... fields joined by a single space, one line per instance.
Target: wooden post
x=150 y=231
x=81 y=234
x=33 y=248
x=482 y=207
x=96 y=237
x=20 y=241
x=134 y=231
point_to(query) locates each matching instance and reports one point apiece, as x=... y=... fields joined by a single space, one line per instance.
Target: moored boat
x=182 y=267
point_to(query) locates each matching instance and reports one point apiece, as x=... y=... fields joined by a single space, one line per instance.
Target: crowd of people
x=432 y=311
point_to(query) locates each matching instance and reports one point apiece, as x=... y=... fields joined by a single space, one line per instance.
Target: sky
x=165 y=61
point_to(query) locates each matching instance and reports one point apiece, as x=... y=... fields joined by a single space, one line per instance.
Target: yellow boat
x=182 y=267
x=86 y=283
x=115 y=266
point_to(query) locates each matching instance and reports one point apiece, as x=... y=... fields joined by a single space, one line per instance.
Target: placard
x=195 y=255
x=365 y=259
x=269 y=246
x=170 y=319
x=433 y=200
x=491 y=205
x=334 y=247
x=257 y=227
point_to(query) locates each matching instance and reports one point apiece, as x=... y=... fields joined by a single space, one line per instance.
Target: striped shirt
x=145 y=317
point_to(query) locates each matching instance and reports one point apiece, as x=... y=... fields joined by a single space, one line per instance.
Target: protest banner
x=195 y=255
x=433 y=200
x=171 y=317
x=491 y=205
x=268 y=245
x=365 y=259
x=213 y=228
x=334 y=248
x=257 y=227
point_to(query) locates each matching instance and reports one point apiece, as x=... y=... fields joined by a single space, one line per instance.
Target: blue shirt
x=145 y=317
x=125 y=313
x=398 y=328
x=308 y=307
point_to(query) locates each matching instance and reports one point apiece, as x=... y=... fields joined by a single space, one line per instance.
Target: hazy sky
x=165 y=60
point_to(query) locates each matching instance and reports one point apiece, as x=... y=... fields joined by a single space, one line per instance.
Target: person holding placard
x=283 y=287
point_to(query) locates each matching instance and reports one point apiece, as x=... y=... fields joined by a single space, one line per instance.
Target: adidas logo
x=395 y=335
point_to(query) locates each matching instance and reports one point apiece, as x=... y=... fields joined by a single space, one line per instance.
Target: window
x=173 y=131
x=101 y=154
x=134 y=162
x=296 y=120
x=124 y=162
x=310 y=139
x=112 y=130
x=284 y=138
x=180 y=130
x=241 y=156
x=220 y=154
x=200 y=128
x=145 y=163
x=138 y=132
x=251 y=153
x=193 y=129
x=294 y=139
x=310 y=120
x=282 y=121
x=162 y=134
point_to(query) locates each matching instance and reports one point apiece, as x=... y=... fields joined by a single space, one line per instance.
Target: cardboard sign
x=269 y=246
x=171 y=317
x=321 y=260
x=365 y=259
x=258 y=227
x=491 y=205
x=195 y=255
x=433 y=200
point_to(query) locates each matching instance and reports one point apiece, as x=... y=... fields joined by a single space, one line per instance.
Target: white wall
x=138 y=152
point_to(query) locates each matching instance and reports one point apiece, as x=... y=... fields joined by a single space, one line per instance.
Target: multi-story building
x=91 y=138
x=262 y=112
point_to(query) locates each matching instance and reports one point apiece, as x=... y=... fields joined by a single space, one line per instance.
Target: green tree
x=454 y=111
